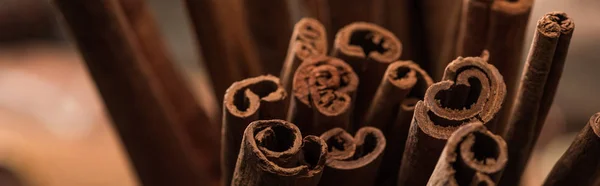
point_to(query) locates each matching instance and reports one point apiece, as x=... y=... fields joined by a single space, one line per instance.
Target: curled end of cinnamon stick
x=554 y=24
x=480 y=149
x=480 y=179
x=311 y=33
x=368 y=142
x=403 y=74
x=367 y=40
x=243 y=98
x=340 y=144
x=595 y=123
x=327 y=82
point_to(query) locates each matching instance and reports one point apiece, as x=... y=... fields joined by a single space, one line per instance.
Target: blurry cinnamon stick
x=536 y=91
x=316 y=9
x=323 y=93
x=201 y=129
x=353 y=161
x=472 y=156
x=470 y=90
x=368 y=49
x=308 y=39
x=345 y=12
x=402 y=19
x=273 y=152
x=144 y=117
x=270 y=26
x=579 y=165
x=227 y=51
x=246 y=101
x=473 y=28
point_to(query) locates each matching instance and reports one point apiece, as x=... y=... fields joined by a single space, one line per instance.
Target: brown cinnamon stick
x=353 y=161
x=227 y=51
x=506 y=36
x=323 y=94
x=368 y=49
x=472 y=156
x=274 y=153
x=316 y=9
x=470 y=90
x=536 y=90
x=269 y=23
x=473 y=28
x=201 y=129
x=391 y=111
x=579 y=165
x=246 y=101
x=144 y=117
x=345 y=12
x=308 y=39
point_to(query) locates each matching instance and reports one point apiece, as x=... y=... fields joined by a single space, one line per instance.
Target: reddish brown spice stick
x=143 y=116
x=471 y=90
x=353 y=161
x=248 y=100
x=317 y=9
x=473 y=28
x=201 y=129
x=402 y=19
x=536 y=90
x=472 y=156
x=506 y=37
x=274 y=153
x=323 y=94
x=345 y=12
x=269 y=26
x=369 y=49
x=579 y=165
x=227 y=51
x=308 y=39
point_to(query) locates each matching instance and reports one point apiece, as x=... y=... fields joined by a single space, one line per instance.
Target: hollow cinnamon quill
x=308 y=39
x=345 y=12
x=538 y=85
x=246 y=101
x=323 y=94
x=470 y=90
x=143 y=116
x=352 y=160
x=579 y=165
x=368 y=49
x=472 y=156
x=273 y=152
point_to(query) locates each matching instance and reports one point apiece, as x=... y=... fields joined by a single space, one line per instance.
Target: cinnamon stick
x=470 y=90
x=269 y=23
x=274 y=153
x=391 y=111
x=472 y=156
x=472 y=34
x=345 y=12
x=536 y=90
x=143 y=116
x=579 y=165
x=308 y=39
x=368 y=49
x=316 y=9
x=323 y=94
x=201 y=129
x=246 y=101
x=402 y=19
x=225 y=47
x=353 y=161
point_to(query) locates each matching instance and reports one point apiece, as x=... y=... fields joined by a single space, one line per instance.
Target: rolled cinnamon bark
x=345 y=12
x=536 y=90
x=274 y=153
x=316 y=9
x=369 y=49
x=323 y=94
x=353 y=161
x=470 y=90
x=308 y=39
x=473 y=155
x=579 y=165
x=142 y=113
x=246 y=101
x=473 y=28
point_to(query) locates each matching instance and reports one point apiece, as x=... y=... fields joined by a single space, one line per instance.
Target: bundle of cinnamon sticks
x=382 y=92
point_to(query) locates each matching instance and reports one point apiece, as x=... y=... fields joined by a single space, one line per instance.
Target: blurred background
x=54 y=128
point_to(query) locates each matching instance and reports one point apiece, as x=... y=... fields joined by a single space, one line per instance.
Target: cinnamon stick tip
x=480 y=149
x=363 y=39
x=314 y=151
x=402 y=74
x=554 y=24
x=339 y=143
x=265 y=87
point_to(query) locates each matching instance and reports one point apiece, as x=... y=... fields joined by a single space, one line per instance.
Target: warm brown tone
x=580 y=164
x=470 y=90
x=345 y=12
x=246 y=101
x=352 y=161
x=316 y=9
x=472 y=156
x=536 y=91
x=472 y=34
x=323 y=93
x=274 y=153
x=368 y=49
x=308 y=39
x=142 y=112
